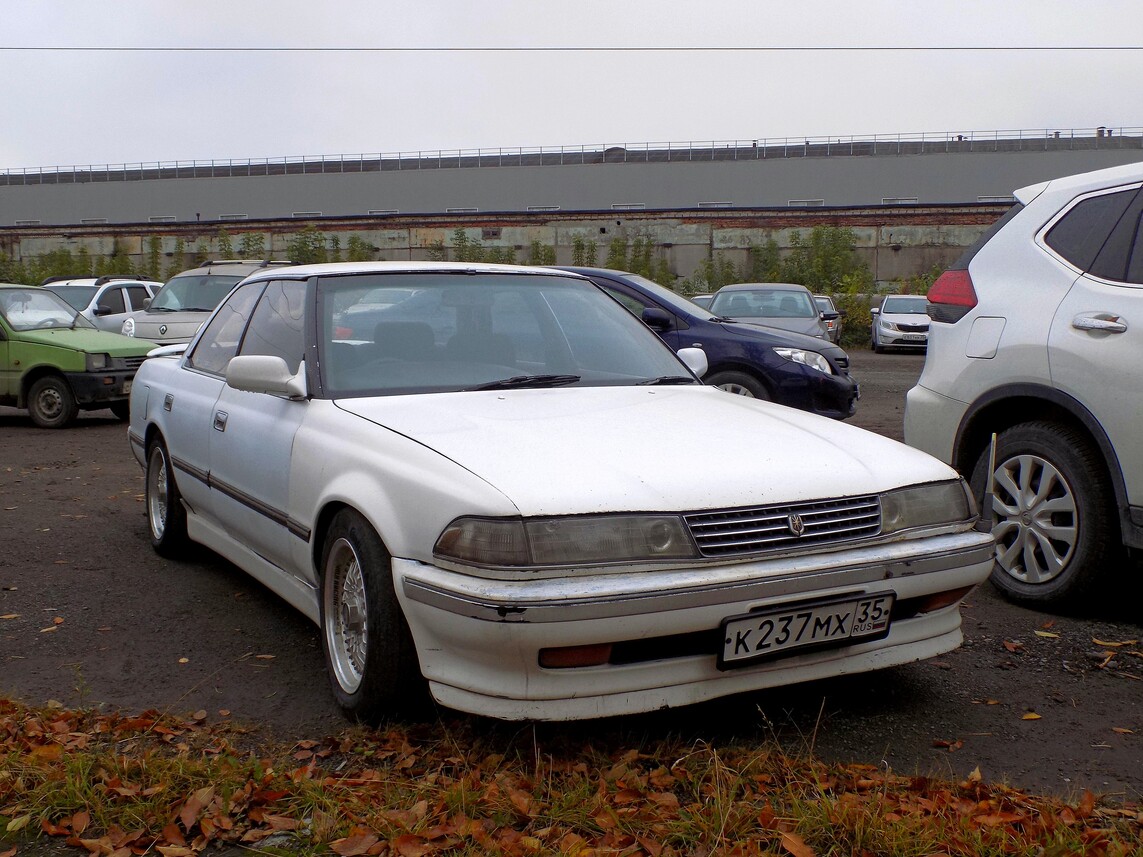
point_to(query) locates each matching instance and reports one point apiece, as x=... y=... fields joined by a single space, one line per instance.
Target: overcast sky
x=74 y=107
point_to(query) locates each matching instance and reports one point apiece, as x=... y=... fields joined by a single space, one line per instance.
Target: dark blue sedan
x=788 y=368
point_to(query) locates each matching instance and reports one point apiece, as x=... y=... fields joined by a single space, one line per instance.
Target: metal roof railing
x=1102 y=137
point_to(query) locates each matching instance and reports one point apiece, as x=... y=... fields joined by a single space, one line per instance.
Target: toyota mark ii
x=493 y=495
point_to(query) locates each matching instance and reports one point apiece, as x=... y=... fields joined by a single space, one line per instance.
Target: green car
x=54 y=362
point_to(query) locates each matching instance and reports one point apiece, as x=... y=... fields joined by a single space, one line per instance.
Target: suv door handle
x=1105 y=321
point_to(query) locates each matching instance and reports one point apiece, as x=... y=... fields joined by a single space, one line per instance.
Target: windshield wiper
x=666 y=379
x=528 y=381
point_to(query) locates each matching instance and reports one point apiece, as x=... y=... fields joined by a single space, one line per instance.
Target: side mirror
x=875 y=310
x=830 y=316
x=261 y=373
x=695 y=360
x=656 y=319
x=102 y=310
x=146 y=302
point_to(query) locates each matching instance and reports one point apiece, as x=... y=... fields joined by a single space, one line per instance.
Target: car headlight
x=927 y=505
x=887 y=325
x=97 y=362
x=806 y=358
x=128 y=328
x=544 y=542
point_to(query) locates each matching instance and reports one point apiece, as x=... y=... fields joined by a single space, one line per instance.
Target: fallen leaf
x=975 y=776
x=265 y=657
x=52 y=628
x=1105 y=645
x=796 y=845
x=1121 y=730
x=10 y=616
x=1013 y=646
x=1031 y=715
x=353 y=846
x=184 y=660
x=18 y=823
x=11 y=852
x=1047 y=634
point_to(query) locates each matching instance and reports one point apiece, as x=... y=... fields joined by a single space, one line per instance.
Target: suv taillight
x=951 y=296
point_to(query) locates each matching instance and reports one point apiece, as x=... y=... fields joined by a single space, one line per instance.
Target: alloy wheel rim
x=346 y=624
x=1035 y=519
x=736 y=389
x=157 y=494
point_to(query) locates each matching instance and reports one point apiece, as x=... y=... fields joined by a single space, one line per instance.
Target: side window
x=1113 y=259
x=276 y=326
x=219 y=342
x=629 y=301
x=113 y=299
x=137 y=295
x=1135 y=261
x=1080 y=234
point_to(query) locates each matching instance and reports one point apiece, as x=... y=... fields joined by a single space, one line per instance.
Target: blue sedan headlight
x=806 y=358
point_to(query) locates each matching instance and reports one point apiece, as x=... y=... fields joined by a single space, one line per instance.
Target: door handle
x=1104 y=321
x=220 y=420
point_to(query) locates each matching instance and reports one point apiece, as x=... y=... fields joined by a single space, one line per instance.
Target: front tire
x=369 y=651
x=51 y=402
x=1052 y=513
x=122 y=410
x=166 y=516
x=740 y=384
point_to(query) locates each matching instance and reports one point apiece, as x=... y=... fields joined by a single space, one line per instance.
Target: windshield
x=78 y=296
x=449 y=331
x=38 y=309
x=193 y=292
x=764 y=303
x=917 y=304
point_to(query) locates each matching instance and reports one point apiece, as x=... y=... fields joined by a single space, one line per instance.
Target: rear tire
x=166 y=516
x=122 y=410
x=51 y=402
x=740 y=384
x=369 y=651
x=1053 y=514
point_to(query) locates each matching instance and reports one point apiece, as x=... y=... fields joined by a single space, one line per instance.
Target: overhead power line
x=565 y=48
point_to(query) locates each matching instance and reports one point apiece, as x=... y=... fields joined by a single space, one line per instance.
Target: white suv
x=1037 y=336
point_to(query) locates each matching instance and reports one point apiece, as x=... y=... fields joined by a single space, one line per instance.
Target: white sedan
x=488 y=488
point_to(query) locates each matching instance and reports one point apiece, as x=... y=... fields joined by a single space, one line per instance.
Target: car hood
x=906 y=317
x=85 y=339
x=607 y=449
x=180 y=325
x=804 y=326
x=778 y=338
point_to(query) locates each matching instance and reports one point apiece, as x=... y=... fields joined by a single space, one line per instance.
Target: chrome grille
x=737 y=532
x=913 y=328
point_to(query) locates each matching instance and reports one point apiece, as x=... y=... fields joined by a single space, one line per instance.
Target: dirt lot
x=90 y=616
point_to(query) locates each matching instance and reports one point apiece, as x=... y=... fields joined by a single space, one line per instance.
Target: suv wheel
x=1051 y=512
x=51 y=403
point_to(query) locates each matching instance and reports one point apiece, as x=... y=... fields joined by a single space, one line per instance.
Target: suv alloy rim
x=1034 y=519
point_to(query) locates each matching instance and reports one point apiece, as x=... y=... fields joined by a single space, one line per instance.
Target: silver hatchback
x=1036 y=338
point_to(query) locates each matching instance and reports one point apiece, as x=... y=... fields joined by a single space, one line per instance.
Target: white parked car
x=1037 y=337
x=494 y=494
x=902 y=321
x=105 y=301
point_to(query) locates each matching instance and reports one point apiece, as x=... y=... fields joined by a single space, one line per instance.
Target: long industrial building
x=926 y=195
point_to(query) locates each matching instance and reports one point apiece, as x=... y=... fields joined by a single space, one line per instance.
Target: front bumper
x=899 y=339
x=479 y=640
x=98 y=387
x=833 y=396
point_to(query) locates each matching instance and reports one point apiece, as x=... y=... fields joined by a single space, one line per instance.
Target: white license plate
x=772 y=633
x=914 y=337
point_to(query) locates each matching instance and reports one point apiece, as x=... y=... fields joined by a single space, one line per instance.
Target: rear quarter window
x=1080 y=234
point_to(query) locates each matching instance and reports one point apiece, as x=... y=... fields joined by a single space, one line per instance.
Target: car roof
x=742 y=287
x=336 y=268
x=241 y=267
